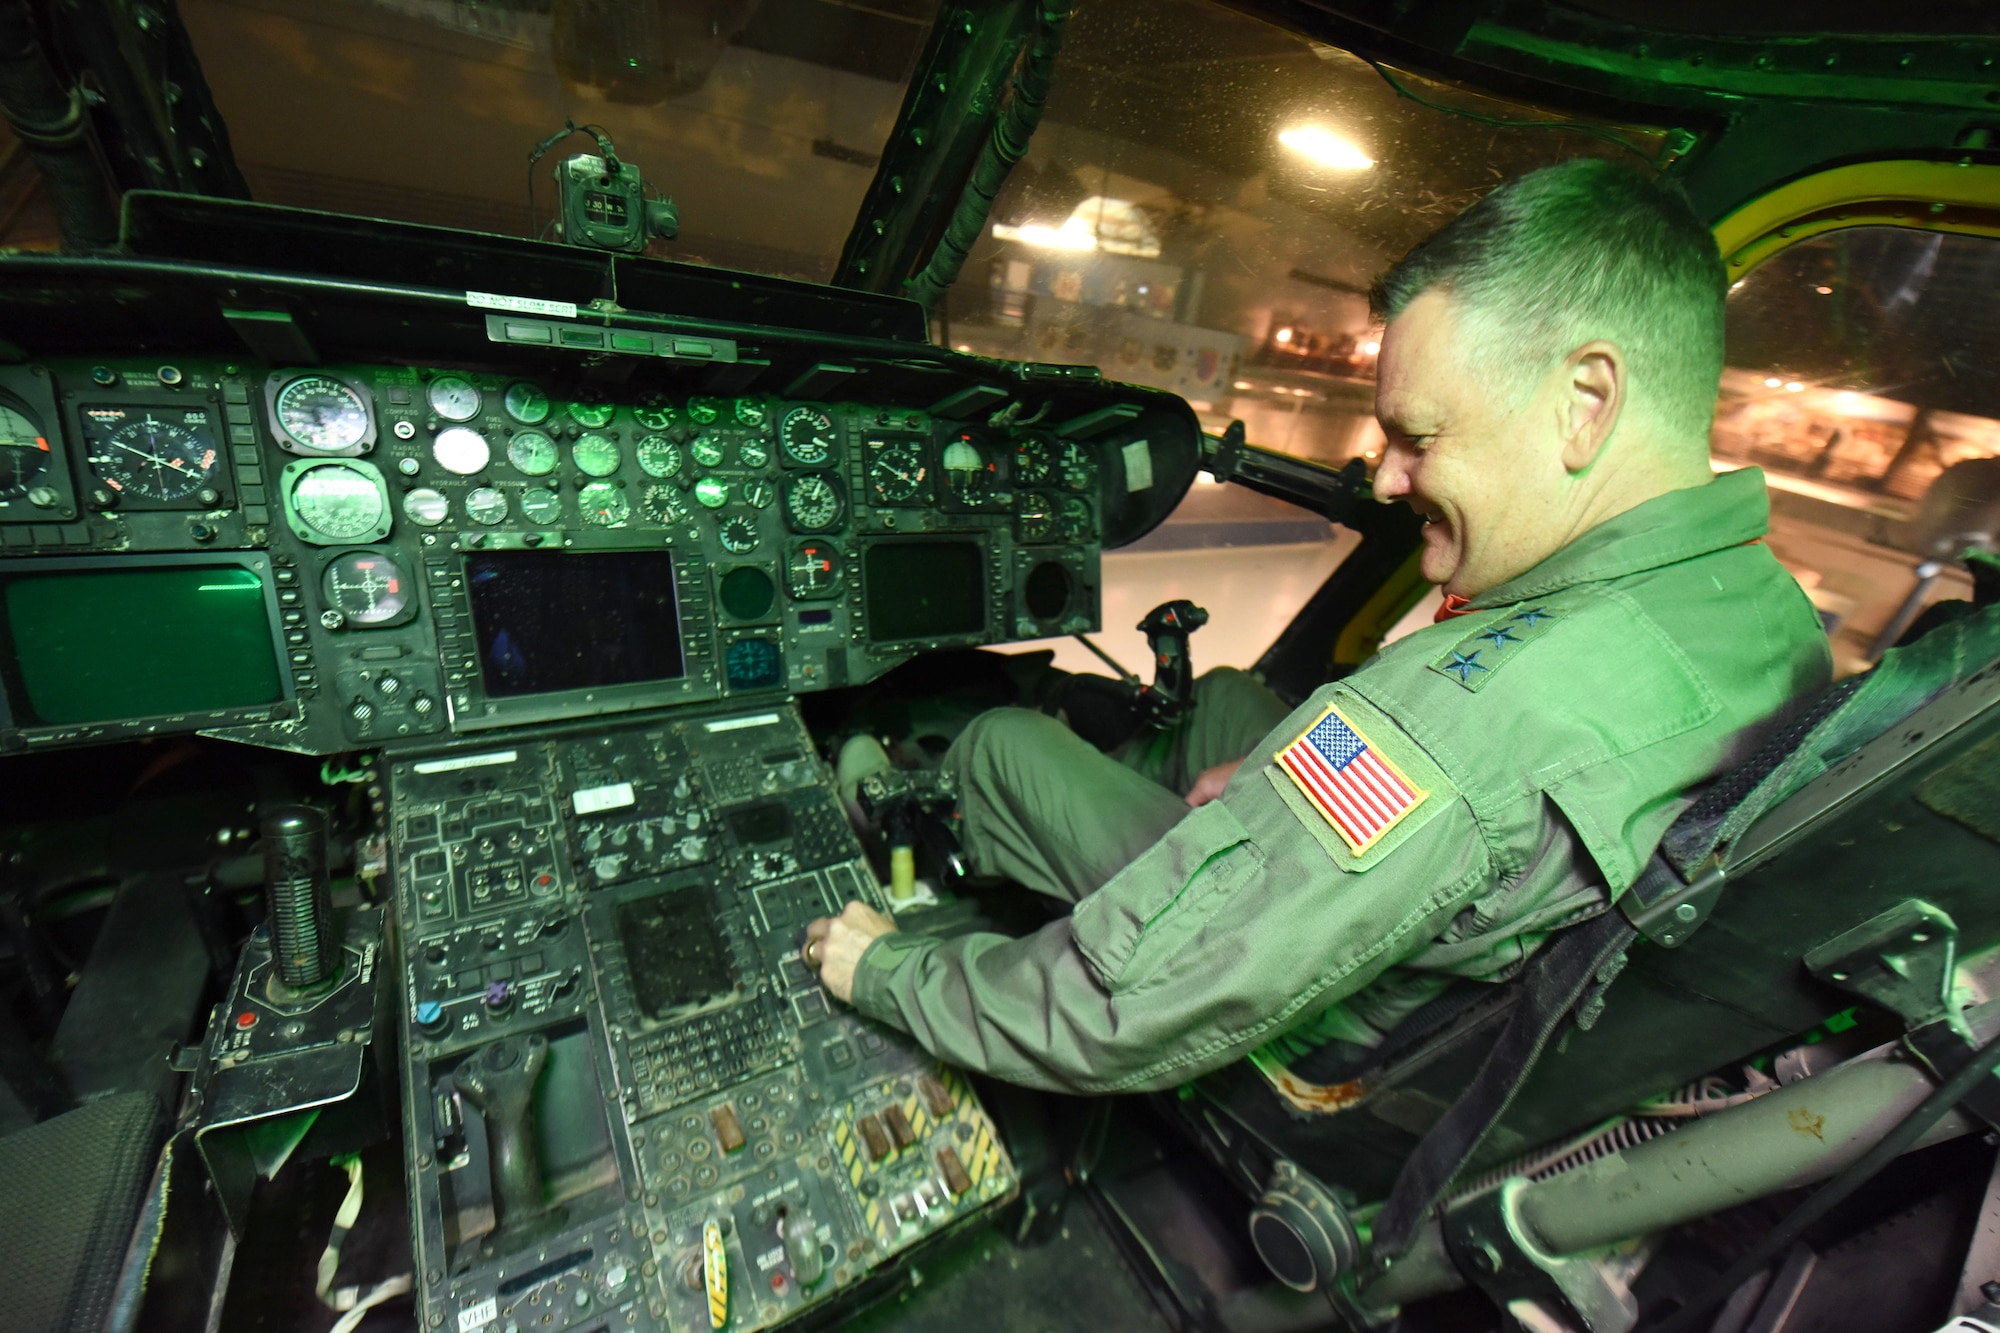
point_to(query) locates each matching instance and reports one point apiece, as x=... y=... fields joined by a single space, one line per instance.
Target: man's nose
x=1392 y=476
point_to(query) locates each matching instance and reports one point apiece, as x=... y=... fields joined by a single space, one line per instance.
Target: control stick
x=1167 y=627
x=499 y=1081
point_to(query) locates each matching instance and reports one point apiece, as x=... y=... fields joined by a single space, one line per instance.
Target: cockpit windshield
x=762 y=119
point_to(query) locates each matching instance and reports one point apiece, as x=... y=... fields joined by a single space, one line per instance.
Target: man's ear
x=1591 y=397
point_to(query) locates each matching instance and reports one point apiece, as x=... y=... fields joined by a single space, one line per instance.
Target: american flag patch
x=1351 y=783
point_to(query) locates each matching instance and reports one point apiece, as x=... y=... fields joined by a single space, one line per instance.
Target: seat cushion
x=70 y=1190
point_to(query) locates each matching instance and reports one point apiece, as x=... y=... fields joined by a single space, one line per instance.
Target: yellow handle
x=902 y=874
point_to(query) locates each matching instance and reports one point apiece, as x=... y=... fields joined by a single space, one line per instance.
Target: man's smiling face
x=1485 y=470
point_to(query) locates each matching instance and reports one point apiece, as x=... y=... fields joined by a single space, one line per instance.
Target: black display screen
x=676 y=954
x=562 y=620
x=924 y=589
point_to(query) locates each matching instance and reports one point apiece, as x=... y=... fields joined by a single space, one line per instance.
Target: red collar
x=1454 y=605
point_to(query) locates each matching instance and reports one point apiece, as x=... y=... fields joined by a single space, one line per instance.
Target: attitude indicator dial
x=812 y=571
x=367 y=587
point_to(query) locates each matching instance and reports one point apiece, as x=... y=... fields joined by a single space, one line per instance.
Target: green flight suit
x=1544 y=742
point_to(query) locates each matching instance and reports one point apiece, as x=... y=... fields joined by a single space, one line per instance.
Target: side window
x=1864 y=378
x=1202 y=210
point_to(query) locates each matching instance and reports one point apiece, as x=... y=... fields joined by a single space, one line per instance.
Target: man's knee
x=1001 y=743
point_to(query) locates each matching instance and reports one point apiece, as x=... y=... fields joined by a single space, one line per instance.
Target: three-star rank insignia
x=1473 y=660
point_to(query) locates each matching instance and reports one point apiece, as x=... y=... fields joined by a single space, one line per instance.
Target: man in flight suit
x=1615 y=634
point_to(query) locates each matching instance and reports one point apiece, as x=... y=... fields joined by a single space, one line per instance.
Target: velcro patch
x=1356 y=788
x=1473 y=659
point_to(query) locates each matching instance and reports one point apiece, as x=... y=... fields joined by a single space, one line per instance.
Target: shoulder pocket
x=1146 y=912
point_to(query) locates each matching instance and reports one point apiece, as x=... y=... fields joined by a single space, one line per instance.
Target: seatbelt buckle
x=1666 y=909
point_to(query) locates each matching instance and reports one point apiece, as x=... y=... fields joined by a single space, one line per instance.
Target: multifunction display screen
x=153 y=640
x=924 y=590
x=553 y=620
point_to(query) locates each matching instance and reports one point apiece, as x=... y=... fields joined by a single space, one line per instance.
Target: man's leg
x=1046 y=808
x=1232 y=711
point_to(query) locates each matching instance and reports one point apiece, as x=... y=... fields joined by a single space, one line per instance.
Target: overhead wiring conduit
x=49 y=119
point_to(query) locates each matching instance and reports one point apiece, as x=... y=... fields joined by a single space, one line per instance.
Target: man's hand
x=1210 y=784
x=834 y=945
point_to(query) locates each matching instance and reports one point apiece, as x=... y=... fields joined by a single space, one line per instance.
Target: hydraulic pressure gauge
x=813 y=571
x=484 y=504
x=541 y=506
x=807 y=436
x=426 y=507
x=603 y=505
x=595 y=455
x=654 y=412
x=812 y=501
x=320 y=415
x=368 y=588
x=462 y=450
x=532 y=453
x=659 y=456
x=453 y=399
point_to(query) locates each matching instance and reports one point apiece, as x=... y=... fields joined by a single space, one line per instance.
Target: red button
x=246 y=1020
x=777 y=1282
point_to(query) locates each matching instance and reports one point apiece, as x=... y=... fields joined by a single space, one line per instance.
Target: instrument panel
x=455 y=550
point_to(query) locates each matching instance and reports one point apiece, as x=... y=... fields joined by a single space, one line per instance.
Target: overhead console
x=543 y=514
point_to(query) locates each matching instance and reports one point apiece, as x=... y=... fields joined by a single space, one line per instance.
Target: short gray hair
x=1582 y=250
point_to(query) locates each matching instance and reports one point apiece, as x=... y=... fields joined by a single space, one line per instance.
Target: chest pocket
x=1150 y=910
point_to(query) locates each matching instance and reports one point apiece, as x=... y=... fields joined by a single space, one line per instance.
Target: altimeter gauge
x=320 y=415
x=812 y=502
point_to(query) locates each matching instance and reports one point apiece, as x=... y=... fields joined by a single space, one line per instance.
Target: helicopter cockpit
x=433 y=599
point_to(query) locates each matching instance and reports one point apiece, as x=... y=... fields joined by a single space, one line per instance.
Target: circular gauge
x=753 y=453
x=527 y=404
x=708 y=451
x=603 y=504
x=807 y=436
x=738 y=534
x=367 y=587
x=704 y=411
x=426 y=507
x=812 y=571
x=541 y=506
x=339 y=503
x=896 y=472
x=654 y=412
x=753 y=412
x=664 y=505
x=747 y=593
x=24 y=453
x=1079 y=467
x=1036 y=517
x=1074 y=521
x=150 y=459
x=532 y=453
x=452 y=398
x=753 y=664
x=758 y=493
x=971 y=477
x=595 y=455
x=659 y=456
x=812 y=502
x=483 y=504
x=322 y=415
x=462 y=450
x=710 y=493
x=592 y=411
x=1034 y=461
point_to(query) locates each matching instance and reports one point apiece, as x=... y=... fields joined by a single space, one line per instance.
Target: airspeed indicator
x=807 y=436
